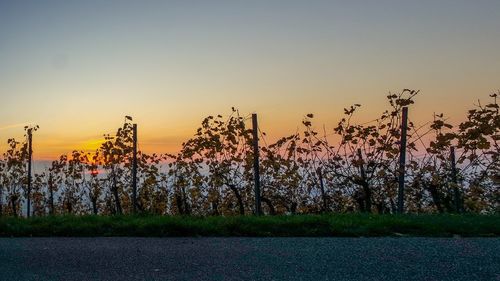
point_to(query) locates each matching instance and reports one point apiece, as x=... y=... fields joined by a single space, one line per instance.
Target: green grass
x=341 y=225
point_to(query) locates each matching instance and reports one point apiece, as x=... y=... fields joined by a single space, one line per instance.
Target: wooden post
x=51 y=193
x=322 y=188
x=256 y=171
x=134 y=169
x=362 y=166
x=30 y=156
x=367 y=194
x=456 y=194
x=402 y=160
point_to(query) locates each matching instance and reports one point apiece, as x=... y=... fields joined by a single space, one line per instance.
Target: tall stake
x=30 y=156
x=322 y=189
x=456 y=194
x=255 y=132
x=134 y=169
x=367 y=194
x=402 y=160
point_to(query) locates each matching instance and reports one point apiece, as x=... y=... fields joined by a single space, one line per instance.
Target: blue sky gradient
x=77 y=67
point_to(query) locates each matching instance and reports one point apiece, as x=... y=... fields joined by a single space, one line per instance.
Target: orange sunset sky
x=76 y=68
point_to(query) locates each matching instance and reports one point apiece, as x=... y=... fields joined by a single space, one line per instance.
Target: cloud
x=15 y=125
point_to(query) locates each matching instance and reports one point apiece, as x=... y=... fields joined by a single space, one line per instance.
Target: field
x=328 y=225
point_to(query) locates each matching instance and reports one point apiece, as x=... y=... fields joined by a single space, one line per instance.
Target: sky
x=76 y=68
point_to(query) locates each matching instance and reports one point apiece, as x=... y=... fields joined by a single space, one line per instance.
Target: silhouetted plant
x=353 y=167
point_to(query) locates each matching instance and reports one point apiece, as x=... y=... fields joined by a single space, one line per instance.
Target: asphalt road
x=249 y=259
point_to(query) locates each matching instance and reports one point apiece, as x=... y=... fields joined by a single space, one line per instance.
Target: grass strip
x=327 y=225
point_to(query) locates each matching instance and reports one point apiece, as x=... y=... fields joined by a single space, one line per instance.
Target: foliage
x=351 y=167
